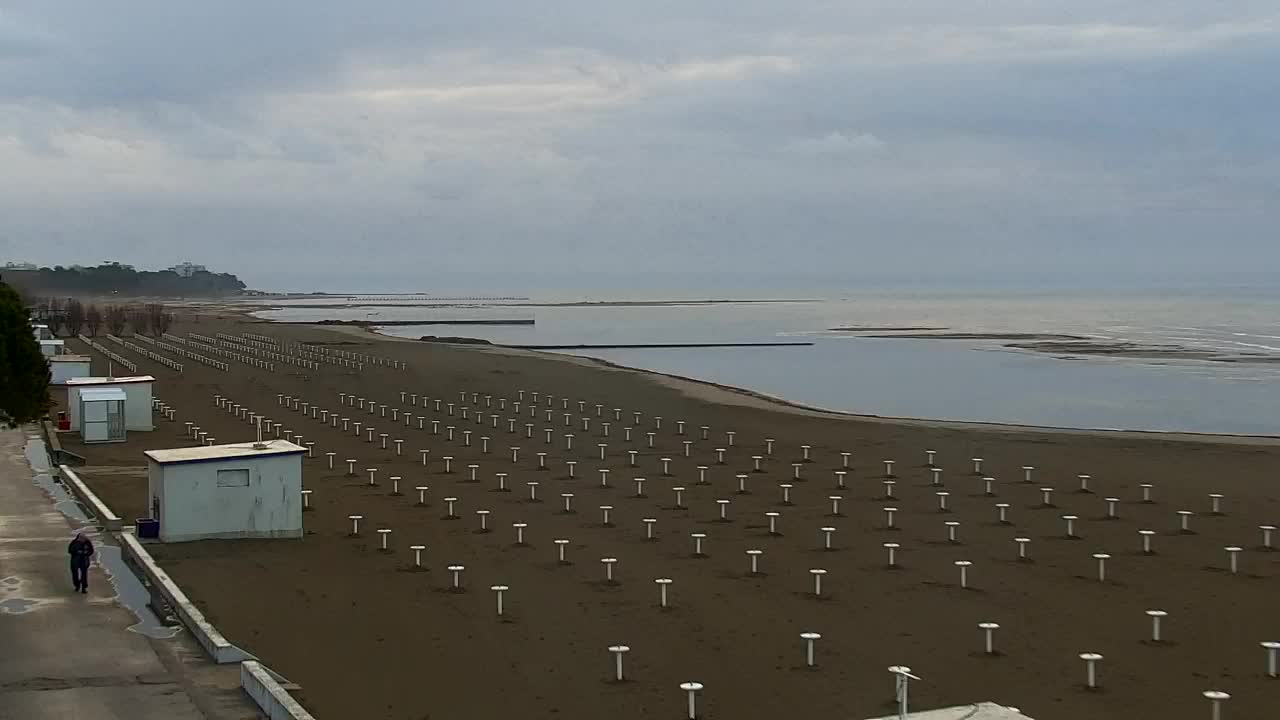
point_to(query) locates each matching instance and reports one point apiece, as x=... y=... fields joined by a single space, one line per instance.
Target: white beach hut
x=67 y=367
x=101 y=414
x=137 y=409
x=52 y=348
x=243 y=490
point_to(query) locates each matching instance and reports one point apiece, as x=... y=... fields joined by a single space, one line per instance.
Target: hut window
x=233 y=478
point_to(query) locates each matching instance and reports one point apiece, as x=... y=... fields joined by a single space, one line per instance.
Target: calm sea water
x=938 y=379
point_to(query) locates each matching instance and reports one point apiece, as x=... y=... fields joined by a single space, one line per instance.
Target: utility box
x=137 y=389
x=66 y=367
x=244 y=490
x=101 y=415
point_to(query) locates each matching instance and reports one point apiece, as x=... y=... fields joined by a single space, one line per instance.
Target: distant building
x=187 y=269
x=20 y=266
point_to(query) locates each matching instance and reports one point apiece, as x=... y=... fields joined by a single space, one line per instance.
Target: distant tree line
x=124 y=280
x=73 y=317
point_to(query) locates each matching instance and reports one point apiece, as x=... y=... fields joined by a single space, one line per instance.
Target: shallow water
x=937 y=379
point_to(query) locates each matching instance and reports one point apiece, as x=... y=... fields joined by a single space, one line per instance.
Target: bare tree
x=93 y=319
x=159 y=318
x=54 y=315
x=75 y=316
x=139 y=320
x=38 y=307
x=116 y=317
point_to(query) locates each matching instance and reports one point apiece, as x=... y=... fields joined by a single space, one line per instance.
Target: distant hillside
x=111 y=278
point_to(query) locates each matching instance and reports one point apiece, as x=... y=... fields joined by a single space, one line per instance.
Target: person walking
x=81 y=550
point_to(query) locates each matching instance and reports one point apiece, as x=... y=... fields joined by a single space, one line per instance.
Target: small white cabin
x=67 y=367
x=52 y=348
x=137 y=407
x=101 y=415
x=244 y=490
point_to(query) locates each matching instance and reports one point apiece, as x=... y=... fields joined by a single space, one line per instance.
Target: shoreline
x=734 y=395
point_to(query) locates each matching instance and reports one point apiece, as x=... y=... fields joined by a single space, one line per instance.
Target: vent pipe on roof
x=259 y=445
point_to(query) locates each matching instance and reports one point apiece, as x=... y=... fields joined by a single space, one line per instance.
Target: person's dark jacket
x=80 y=550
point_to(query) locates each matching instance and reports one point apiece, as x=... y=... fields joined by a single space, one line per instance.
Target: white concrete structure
x=187 y=269
x=979 y=711
x=66 y=367
x=245 y=490
x=51 y=348
x=137 y=408
x=100 y=414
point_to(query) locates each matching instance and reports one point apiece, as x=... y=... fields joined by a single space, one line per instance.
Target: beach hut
x=52 y=348
x=137 y=409
x=67 y=367
x=242 y=490
x=101 y=414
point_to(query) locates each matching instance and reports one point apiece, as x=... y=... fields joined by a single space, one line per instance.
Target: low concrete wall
x=274 y=700
x=58 y=455
x=110 y=521
x=205 y=633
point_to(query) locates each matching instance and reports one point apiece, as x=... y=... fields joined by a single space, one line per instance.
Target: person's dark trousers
x=80 y=575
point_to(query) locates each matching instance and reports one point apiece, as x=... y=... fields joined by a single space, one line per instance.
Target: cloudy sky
x=404 y=144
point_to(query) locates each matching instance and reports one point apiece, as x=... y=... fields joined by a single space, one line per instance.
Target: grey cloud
x=422 y=140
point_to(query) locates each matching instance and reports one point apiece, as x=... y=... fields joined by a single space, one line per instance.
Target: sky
x=415 y=145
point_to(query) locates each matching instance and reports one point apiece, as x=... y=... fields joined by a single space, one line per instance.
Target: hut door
x=115 y=420
x=95 y=420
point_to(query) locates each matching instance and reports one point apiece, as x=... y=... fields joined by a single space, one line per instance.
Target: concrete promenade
x=67 y=655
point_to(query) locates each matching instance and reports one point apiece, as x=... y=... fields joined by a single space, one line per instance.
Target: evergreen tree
x=24 y=374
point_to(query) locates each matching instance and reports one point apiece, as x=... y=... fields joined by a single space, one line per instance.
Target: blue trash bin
x=147 y=528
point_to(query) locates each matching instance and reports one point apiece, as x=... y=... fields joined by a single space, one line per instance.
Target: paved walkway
x=67 y=655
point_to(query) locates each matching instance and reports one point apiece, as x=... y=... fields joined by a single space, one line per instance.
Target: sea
x=973 y=380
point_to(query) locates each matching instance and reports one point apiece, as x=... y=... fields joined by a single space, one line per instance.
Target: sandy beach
x=366 y=636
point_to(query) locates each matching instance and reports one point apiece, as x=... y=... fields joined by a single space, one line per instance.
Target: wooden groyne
x=389 y=323
x=643 y=346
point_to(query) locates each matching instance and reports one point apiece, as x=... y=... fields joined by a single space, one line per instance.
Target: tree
x=54 y=316
x=93 y=319
x=123 y=280
x=159 y=319
x=139 y=320
x=24 y=384
x=75 y=317
x=116 y=317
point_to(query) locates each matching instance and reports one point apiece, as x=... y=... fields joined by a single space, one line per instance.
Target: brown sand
x=367 y=638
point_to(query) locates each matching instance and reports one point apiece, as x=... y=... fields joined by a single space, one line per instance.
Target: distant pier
x=388 y=323
x=641 y=346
